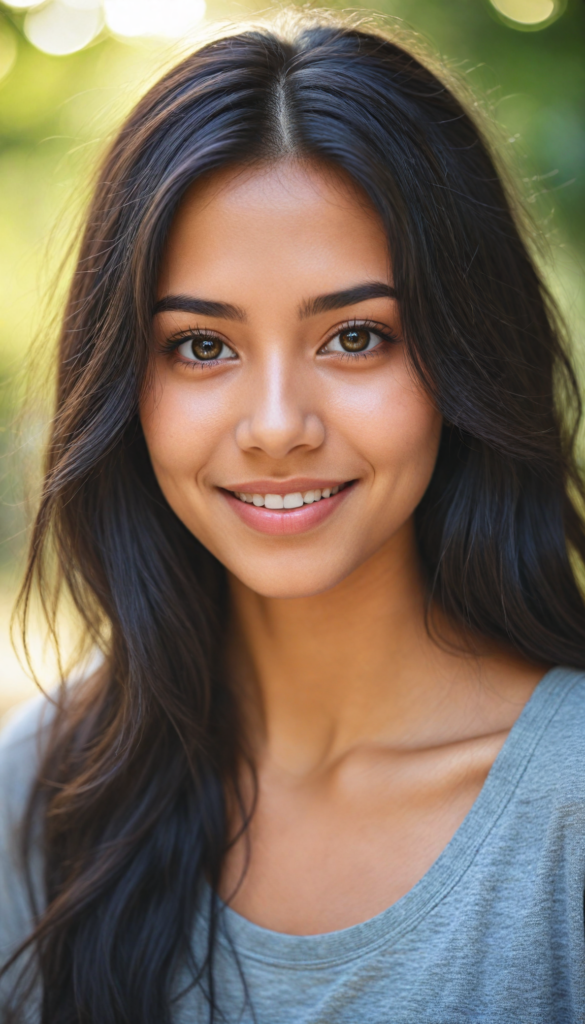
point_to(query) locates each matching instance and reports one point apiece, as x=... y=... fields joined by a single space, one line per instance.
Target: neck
x=352 y=665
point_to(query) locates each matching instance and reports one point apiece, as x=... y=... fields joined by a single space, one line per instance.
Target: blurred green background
x=523 y=61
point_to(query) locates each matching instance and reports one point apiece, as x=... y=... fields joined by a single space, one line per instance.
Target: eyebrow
x=347 y=297
x=204 y=307
x=311 y=307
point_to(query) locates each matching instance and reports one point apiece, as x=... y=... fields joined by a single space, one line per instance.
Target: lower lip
x=287 y=521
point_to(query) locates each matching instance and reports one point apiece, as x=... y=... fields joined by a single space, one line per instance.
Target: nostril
x=277 y=436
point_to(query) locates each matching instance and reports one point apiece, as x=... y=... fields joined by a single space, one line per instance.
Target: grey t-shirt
x=493 y=932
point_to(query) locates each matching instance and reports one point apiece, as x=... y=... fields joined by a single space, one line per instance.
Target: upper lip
x=299 y=483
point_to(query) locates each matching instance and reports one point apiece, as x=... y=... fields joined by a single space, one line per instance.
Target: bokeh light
x=19 y=5
x=83 y=5
x=8 y=50
x=529 y=13
x=173 y=18
x=59 y=28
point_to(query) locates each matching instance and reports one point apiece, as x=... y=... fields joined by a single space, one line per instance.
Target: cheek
x=396 y=429
x=408 y=443
x=403 y=454
x=179 y=428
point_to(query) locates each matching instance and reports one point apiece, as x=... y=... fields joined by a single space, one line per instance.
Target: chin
x=289 y=583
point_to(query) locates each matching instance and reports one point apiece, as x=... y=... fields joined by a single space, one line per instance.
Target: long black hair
x=143 y=761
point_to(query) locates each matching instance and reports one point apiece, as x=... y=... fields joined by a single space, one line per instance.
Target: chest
x=327 y=853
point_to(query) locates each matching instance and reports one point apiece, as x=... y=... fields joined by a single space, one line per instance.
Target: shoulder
x=557 y=722
x=23 y=734
x=24 y=721
x=26 y=729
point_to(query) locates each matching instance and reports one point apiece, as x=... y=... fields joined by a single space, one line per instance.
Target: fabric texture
x=492 y=933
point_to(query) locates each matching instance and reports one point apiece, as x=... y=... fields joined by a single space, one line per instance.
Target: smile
x=295 y=499
x=288 y=513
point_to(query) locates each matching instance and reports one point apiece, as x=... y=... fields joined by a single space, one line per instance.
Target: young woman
x=312 y=488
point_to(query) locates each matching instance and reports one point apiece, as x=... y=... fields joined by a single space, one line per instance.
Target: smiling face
x=284 y=424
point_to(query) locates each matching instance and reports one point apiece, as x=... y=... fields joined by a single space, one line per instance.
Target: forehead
x=289 y=221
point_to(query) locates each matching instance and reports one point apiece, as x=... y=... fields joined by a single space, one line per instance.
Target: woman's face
x=284 y=424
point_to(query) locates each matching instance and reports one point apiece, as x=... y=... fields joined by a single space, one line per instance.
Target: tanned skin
x=371 y=740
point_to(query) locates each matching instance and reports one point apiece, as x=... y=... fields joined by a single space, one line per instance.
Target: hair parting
x=142 y=761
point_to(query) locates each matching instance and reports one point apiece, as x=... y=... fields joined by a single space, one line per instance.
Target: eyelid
x=171 y=344
x=193 y=332
x=385 y=332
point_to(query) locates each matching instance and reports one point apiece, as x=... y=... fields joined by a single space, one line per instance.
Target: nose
x=279 y=417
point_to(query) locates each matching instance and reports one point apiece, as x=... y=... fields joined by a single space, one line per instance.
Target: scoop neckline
x=253 y=941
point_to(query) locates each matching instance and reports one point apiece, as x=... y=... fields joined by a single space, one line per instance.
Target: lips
x=264 y=508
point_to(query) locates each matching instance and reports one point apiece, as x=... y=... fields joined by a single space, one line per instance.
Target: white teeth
x=293 y=500
x=274 y=501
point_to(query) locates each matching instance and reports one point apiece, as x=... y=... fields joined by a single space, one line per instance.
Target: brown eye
x=206 y=348
x=354 y=339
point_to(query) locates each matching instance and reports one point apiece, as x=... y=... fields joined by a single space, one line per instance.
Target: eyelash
x=171 y=345
x=380 y=330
